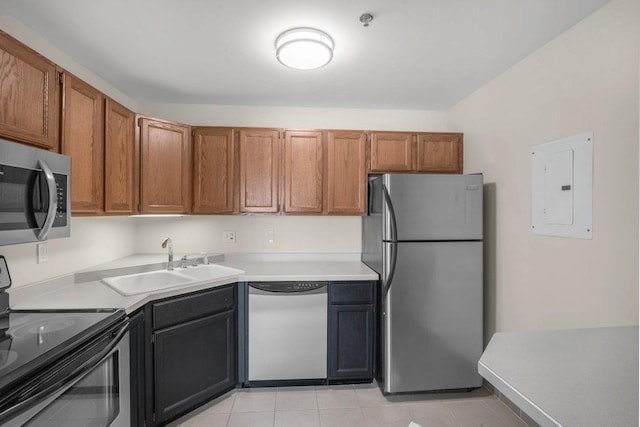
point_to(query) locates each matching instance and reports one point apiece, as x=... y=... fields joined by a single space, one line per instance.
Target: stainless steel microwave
x=35 y=194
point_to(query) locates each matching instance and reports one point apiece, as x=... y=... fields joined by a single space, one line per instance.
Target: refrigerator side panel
x=437 y=207
x=434 y=315
x=372 y=229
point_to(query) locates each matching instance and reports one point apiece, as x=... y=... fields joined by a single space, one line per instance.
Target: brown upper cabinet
x=391 y=152
x=303 y=172
x=439 y=153
x=119 y=159
x=213 y=170
x=28 y=95
x=346 y=173
x=165 y=167
x=82 y=138
x=432 y=152
x=259 y=170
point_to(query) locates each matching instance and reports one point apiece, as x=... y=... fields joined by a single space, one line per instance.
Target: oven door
x=98 y=394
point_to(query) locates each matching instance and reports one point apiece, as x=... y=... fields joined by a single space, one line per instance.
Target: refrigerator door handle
x=394 y=240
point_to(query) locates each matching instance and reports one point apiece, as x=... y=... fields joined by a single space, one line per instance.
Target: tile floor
x=350 y=406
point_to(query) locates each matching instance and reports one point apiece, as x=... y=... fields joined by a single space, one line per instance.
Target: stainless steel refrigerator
x=423 y=235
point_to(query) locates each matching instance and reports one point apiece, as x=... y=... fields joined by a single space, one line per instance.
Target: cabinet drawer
x=351 y=292
x=189 y=307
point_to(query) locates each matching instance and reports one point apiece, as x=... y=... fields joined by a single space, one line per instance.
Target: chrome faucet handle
x=205 y=258
x=183 y=261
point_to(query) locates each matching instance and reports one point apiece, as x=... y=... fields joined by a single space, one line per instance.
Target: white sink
x=209 y=272
x=141 y=283
x=146 y=282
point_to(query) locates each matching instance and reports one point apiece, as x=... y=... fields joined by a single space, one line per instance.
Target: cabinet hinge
x=153 y=339
x=61 y=78
x=153 y=417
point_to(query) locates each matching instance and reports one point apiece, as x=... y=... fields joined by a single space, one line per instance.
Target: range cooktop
x=30 y=339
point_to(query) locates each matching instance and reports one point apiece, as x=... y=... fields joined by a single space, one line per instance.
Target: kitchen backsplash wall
x=194 y=234
x=584 y=80
x=93 y=241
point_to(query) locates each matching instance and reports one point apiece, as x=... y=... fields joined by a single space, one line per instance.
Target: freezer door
x=432 y=318
x=436 y=207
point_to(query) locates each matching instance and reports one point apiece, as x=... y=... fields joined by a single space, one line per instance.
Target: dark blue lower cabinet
x=351 y=343
x=193 y=360
x=136 y=356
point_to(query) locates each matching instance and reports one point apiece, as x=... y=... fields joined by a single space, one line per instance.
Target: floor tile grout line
x=508 y=408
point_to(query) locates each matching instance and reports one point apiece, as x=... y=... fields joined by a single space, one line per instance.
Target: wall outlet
x=270 y=236
x=228 y=236
x=43 y=253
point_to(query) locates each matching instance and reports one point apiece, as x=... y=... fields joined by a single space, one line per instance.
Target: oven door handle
x=52 y=386
x=53 y=200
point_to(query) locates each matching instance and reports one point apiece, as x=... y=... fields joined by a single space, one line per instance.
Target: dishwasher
x=287 y=337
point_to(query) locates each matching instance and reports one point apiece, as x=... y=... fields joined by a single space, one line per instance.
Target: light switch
x=41 y=249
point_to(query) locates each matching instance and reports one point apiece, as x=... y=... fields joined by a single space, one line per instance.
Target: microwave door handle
x=53 y=200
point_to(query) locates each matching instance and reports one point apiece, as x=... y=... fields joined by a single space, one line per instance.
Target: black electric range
x=40 y=349
x=33 y=339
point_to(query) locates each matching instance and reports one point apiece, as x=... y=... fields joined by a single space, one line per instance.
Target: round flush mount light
x=304 y=48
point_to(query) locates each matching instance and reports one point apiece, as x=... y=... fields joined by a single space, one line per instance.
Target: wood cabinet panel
x=213 y=170
x=28 y=95
x=259 y=170
x=303 y=172
x=165 y=175
x=391 y=152
x=346 y=173
x=439 y=152
x=83 y=140
x=119 y=155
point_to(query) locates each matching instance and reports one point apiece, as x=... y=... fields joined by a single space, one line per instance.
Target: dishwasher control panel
x=288 y=287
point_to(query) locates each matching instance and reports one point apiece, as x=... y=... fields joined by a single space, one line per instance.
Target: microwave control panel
x=61 y=190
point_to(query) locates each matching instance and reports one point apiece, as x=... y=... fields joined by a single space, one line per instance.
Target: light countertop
x=84 y=289
x=579 y=377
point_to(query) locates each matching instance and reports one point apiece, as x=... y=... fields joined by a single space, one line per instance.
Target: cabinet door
x=347 y=175
x=439 y=152
x=259 y=170
x=83 y=140
x=165 y=176
x=391 y=152
x=119 y=153
x=193 y=362
x=28 y=95
x=351 y=341
x=213 y=170
x=303 y=172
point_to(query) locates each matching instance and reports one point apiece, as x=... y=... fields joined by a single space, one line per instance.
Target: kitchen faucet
x=164 y=245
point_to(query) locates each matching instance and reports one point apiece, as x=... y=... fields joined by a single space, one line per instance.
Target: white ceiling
x=416 y=54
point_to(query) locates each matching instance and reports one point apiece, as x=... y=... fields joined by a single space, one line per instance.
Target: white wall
x=302 y=118
x=17 y=30
x=196 y=234
x=584 y=80
x=93 y=241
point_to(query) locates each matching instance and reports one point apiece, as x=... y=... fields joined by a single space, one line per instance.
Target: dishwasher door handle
x=268 y=289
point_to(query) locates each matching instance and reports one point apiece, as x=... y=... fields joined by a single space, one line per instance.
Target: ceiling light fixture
x=304 y=48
